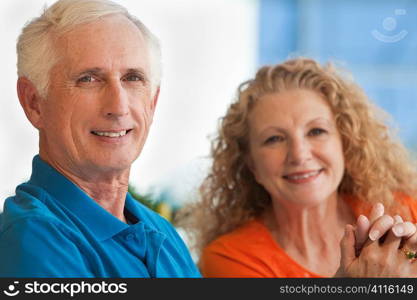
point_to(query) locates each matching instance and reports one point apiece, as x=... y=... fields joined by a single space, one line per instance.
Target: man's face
x=99 y=107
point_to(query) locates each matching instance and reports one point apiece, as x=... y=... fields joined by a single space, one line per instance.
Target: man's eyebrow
x=100 y=71
x=90 y=71
x=135 y=70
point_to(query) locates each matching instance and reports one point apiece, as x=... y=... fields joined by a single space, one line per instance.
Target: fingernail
x=398 y=230
x=380 y=207
x=361 y=218
x=398 y=219
x=362 y=221
x=374 y=235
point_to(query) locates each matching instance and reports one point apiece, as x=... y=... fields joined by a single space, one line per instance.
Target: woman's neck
x=310 y=235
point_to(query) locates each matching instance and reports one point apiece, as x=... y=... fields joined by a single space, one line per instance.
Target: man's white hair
x=36 y=54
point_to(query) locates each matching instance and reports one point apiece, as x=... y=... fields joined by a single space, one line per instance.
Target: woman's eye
x=274 y=139
x=316 y=131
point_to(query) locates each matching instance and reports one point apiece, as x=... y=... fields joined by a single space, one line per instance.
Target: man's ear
x=154 y=101
x=155 y=98
x=29 y=100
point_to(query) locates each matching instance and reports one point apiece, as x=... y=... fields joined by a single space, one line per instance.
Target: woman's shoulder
x=248 y=251
x=250 y=233
x=409 y=203
x=404 y=205
x=243 y=252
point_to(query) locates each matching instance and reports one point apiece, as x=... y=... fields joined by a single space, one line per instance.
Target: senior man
x=89 y=75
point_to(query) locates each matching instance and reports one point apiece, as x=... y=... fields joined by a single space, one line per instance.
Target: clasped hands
x=381 y=246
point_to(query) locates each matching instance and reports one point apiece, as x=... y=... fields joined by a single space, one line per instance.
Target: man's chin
x=110 y=166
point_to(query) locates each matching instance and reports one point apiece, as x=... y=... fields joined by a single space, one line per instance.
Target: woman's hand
x=378 y=225
x=387 y=258
x=376 y=247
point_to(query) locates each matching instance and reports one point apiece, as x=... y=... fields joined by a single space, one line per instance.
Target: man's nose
x=116 y=100
x=299 y=151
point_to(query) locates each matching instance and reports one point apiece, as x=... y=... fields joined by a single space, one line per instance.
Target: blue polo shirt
x=51 y=228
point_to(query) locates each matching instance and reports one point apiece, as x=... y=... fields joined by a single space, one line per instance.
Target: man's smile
x=111 y=133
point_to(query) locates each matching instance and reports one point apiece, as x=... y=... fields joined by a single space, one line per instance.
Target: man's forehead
x=117 y=24
x=100 y=44
x=112 y=19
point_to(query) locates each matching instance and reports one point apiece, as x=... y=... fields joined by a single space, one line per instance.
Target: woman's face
x=295 y=148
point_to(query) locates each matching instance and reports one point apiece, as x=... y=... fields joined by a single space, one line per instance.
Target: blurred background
x=209 y=47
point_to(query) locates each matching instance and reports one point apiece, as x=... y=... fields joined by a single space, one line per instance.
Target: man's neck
x=107 y=188
x=110 y=196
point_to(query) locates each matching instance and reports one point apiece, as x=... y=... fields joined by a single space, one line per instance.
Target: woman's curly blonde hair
x=375 y=164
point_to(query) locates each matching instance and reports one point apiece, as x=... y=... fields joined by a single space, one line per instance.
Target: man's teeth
x=303 y=176
x=110 y=134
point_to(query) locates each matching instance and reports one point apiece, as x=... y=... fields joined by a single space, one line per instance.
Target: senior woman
x=299 y=155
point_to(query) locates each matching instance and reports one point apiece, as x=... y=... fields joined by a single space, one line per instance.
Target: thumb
x=361 y=233
x=347 y=245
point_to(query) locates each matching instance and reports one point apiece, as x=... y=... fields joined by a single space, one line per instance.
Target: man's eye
x=133 y=78
x=87 y=78
x=274 y=139
x=316 y=131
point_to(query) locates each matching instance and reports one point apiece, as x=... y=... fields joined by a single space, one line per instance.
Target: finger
x=380 y=227
x=392 y=242
x=411 y=242
x=409 y=246
x=376 y=212
x=347 y=245
x=397 y=220
x=404 y=230
x=361 y=232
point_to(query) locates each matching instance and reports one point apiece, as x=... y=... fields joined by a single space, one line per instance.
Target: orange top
x=250 y=250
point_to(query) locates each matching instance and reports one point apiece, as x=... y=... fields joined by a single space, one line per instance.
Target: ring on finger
x=411 y=255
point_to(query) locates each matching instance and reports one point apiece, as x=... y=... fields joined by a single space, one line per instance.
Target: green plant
x=157 y=204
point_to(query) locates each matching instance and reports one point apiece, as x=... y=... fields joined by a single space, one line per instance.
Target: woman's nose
x=299 y=151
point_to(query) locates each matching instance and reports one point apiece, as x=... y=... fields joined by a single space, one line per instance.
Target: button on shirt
x=51 y=228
